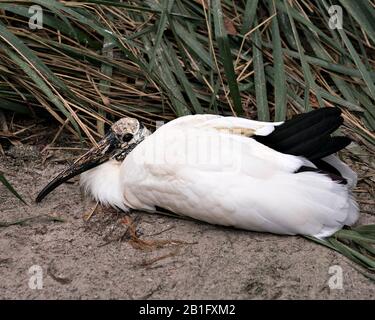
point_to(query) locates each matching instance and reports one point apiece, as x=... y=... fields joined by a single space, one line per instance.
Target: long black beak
x=94 y=157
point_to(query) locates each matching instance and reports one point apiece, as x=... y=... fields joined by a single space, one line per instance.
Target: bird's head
x=123 y=136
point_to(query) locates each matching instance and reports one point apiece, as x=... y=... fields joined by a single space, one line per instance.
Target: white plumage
x=206 y=167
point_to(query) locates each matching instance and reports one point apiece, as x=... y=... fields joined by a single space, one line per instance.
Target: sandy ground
x=175 y=259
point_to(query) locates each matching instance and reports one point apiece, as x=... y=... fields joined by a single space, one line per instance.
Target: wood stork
x=272 y=177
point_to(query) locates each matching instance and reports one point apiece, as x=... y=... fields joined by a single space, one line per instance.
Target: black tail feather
x=308 y=134
x=314 y=131
x=304 y=121
x=335 y=177
x=331 y=146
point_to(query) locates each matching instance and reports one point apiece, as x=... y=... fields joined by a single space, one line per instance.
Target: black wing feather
x=308 y=134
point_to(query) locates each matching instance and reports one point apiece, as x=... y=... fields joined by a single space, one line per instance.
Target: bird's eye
x=127 y=137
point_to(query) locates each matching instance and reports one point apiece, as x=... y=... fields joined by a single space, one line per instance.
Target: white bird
x=272 y=177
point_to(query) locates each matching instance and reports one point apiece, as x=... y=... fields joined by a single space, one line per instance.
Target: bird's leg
x=131 y=223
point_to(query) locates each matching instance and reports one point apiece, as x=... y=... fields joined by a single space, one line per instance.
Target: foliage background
x=95 y=61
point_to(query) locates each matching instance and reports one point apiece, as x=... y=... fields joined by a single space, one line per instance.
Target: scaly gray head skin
x=123 y=136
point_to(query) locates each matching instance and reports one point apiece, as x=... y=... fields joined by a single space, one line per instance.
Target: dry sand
x=87 y=259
